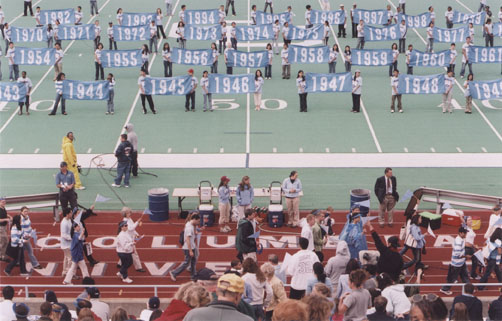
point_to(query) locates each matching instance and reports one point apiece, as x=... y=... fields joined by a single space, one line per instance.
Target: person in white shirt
x=268 y=67
x=258 y=82
x=125 y=248
x=482 y=5
x=466 y=47
x=467 y=94
x=180 y=31
x=333 y=56
x=342 y=26
x=204 y=84
x=169 y=4
x=357 y=84
x=131 y=229
x=360 y=35
x=470 y=246
x=449 y=17
x=300 y=267
x=285 y=32
x=166 y=59
x=307 y=231
x=398 y=304
x=308 y=13
x=78 y=16
x=223 y=41
x=291 y=14
x=452 y=56
x=214 y=56
x=110 y=105
x=65 y=230
x=230 y=69
x=495 y=221
x=499 y=15
x=277 y=30
x=301 y=84
x=111 y=40
x=152 y=305
x=13 y=67
x=6 y=310
x=28 y=85
x=395 y=56
x=37 y=17
x=394 y=80
x=390 y=15
x=56 y=33
x=153 y=37
x=101 y=309
x=269 y=4
x=58 y=84
x=119 y=16
x=448 y=84
x=326 y=6
x=286 y=66
x=403 y=29
x=97 y=63
x=433 y=14
x=430 y=38
x=253 y=14
x=191 y=95
x=143 y=95
x=158 y=23
x=471 y=31
x=488 y=31
x=233 y=35
x=261 y=291
x=325 y=38
x=409 y=68
x=97 y=33
x=190 y=248
x=181 y=14
x=221 y=14
x=402 y=5
x=58 y=64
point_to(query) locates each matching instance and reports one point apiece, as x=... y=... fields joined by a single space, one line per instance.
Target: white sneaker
x=115 y=185
x=119 y=275
x=80 y=188
x=126 y=186
x=392 y=110
x=64 y=283
x=227 y=228
x=445 y=292
x=127 y=280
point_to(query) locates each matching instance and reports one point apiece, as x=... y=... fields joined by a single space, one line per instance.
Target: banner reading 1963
x=124 y=33
x=411 y=84
x=486 y=89
x=171 y=86
x=200 y=57
x=328 y=82
x=36 y=34
x=485 y=55
x=121 y=58
x=80 y=32
x=420 y=21
x=308 y=55
x=373 y=17
x=130 y=19
x=466 y=18
x=201 y=17
x=253 y=59
x=371 y=57
x=263 y=18
x=252 y=33
x=35 y=56
x=314 y=33
x=86 y=90
x=382 y=34
x=430 y=59
x=12 y=91
x=450 y=35
x=65 y=16
x=333 y=17
x=231 y=84
x=193 y=32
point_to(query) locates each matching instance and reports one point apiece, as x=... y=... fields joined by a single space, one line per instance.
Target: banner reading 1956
x=86 y=90
x=121 y=58
x=35 y=56
x=201 y=17
x=371 y=57
x=12 y=91
x=253 y=59
x=171 y=86
x=308 y=55
x=328 y=82
x=200 y=57
x=65 y=16
x=231 y=84
x=333 y=17
x=410 y=84
x=36 y=34
x=263 y=18
x=485 y=55
x=486 y=89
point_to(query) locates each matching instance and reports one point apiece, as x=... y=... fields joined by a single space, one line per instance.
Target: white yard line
x=248 y=98
x=34 y=5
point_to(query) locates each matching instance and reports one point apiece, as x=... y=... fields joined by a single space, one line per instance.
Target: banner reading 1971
x=486 y=89
x=80 y=32
x=263 y=18
x=382 y=34
x=12 y=91
x=65 y=16
x=333 y=17
x=308 y=55
x=121 y=58
x=231 y=84
x=35 y=56
x=170 y=86
x=201 y=17
x=86 y=90
x=200 y=57
x=36 y=34
x=253 y=59
x=420 y=21
x=130 y=19
x=372 y=57
x=430 y=59
x=411 y=84
x=328 y=82
x=485 y=55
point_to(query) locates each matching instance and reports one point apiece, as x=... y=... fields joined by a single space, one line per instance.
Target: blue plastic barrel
x=359 y=196
x=158 y=203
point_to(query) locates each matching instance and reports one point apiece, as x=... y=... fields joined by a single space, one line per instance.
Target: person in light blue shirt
x=320 y=277
x=244 y=195
x=457 y=266
x=224 y=204
x=415 y=240
x=291 y=187
x=274 y=260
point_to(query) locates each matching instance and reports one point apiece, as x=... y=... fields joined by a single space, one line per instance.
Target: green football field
x=334 y=150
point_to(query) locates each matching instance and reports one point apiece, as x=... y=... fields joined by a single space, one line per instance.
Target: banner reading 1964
x=328 y=82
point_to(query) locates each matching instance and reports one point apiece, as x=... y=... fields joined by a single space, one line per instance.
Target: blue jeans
x=491 y=266
x=417 y=256
x=13 y=72
x=109 y=103
x=27 y=246
x=189 y=260
x=59 y=97
x=123 y=169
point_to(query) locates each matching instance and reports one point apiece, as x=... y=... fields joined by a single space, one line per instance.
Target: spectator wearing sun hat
x=152 y=305
x=224 y=204
x=191 y=94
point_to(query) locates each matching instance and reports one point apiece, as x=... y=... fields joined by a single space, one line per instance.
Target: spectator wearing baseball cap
x=99 y=308
x=21 y=310
x=224 y=204
x=457 y=266
x=229 y=292
x=125 y=248
x=390 y=261
x=152 y=305
x=191 y=95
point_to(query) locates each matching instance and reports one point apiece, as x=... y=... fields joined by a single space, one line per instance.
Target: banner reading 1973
x=86 y=90
x=486 y=89
x=194 y=32
x=328 y=82
x=231 y=84
x=170 y=86
x=411 y=84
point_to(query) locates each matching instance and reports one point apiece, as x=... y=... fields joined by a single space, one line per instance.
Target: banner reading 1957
x=171 y=86
x=201 y=17
x=308 y=55
x=333 y=17
x=382 y=34
x=328 y=82
x=253 y=59
x=36 y=34
x=35 y=56
x=121 y=58
x=410 y=84
x=231 y=84
x=12 y=91
x=372 y=57
x=486 y=89
x=263 y=18
x=65 y=16
x=86 y=90
x=485 y=55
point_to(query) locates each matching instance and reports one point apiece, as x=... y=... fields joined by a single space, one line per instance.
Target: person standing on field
x=291 y=187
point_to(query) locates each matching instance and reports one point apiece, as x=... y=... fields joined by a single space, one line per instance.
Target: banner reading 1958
x=65 y=16
x=485 y=55
x=410 y=84
x=333 y=17
x=201 y=17
x=486 y=89
x=253 y=59
x=36 y=34
x=231 y=84
x=328 y=82
x=35 y=56
x=121 y=58
x=171 y=86
x=308 y=55
x=86 y=90
x=200 y=57
x=80 y=32
x=263 y=18
x=372 y=57
x=130 y=19
x=12 y=91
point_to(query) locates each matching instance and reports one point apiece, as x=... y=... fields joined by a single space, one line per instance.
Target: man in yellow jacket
x=70 y=157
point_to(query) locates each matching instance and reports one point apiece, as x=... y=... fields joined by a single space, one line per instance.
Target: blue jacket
x=246 y=196
x=77 y=248
x=123 y=152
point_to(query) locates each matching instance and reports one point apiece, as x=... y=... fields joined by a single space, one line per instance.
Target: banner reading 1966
x=328 y=82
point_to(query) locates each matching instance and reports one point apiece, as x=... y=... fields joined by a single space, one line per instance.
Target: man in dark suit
x=473 y=304
x=386 y=192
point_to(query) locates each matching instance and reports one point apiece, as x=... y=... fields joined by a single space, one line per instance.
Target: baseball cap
x=122 y=223
x=393 y=241
x=206 y=274
x=190 y=70
x=231 y=282
x=462 y=229
x=154 y=302
x=225 y=179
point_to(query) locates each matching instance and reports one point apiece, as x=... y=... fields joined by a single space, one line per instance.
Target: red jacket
x=176 y=311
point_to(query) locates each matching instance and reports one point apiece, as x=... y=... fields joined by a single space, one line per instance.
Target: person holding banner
x=325 y=33
x=180 y=31
x=37 y=18
x=143 y=95
x=77 y=254
x=78 y=16
x=286 y=66
x=357 y=84
x=27 y=5
x=471 y=31
x=395 y=56
x=230 y=69
x=333 y=56
x=457 y=266
x=360 y=35
x=277 y=29
x=488 y=31
x=50 y=36
x=28 y=235
x=145 y=55
x=119 y=16
x=466 y=47
x=270 y=56
x=28 y=85
x=409 y=68
x=253 y=14
x=111 y=86
x=447 y=95
x=58 y=64
x=158 y=23
x=233 y=35
x=449 y=17
x=214 y=55
x=166 y=59
x=258 y=82
x=402 y=40
x=97 y=63
x=347 y=53
x=97 y=34
x=452 y=56
x=204 y=84
x=285 y=31
x=353 y=22
x=227 y=6
x=430 y=37
x=223 y=40
x=58 y=83
x=153 y=36
x=341 y=27
x=394 y=81
x=191 y=95
x=301 y=84
x=2 y=21
x=467 y=94
x=13 y=67
x=111 y=40
x=221 y=14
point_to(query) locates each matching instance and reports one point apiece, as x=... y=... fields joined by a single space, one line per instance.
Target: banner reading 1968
x=65 y=16
x=486 y=89
x=485 y=55
x=12 y=91
x=333 y=17
x=328 y=82
x=201 y=17
x=231 y=84
x=430 y=59
x=263 y=18
x=200 y=57
x=35 y=56
x=80 y=32
x=421 y=21
x=36 y=34
x=373 y=17
x=171 y=86
x=410 y=84
x=372 y=57
x=193 y=32
x=314 y=33
x=251 y=33
x=86 y=90
x=382 y=34
x=308 y=55
x=121 y=58
x=130 y=19
x=253 y=59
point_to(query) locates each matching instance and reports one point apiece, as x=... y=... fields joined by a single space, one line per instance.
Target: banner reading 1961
x=171 y=86
x=486 y=89
x=485 y=55
x=411 y=84
x=231 y=84
x=86 y=90
x=328 y=82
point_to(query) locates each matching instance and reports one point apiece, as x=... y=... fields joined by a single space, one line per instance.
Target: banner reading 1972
x=450 y=35
x=201 y=17
x=193 y=32
x=19 y=34
x=171 y=86
x=333 y=17
x=121 y=58
x=466 y=18
x=123 y=33
x=486 y=89
x=372 y=57
x=308 y=55
x=200 y=57
x=430 y=59
x=328 y=82
x=485 y=55
x=251 y=33
x=253 y=59
x=382 y=34
x=373 y=17
x=35 y=56
x=86 y=90
x=421 y=21
x=130 y=19
x=80 y=32
x=12 y=91
x=231 y=84
x=314 y=33
x=263 y=18
x=410 y=84
x=65 y=16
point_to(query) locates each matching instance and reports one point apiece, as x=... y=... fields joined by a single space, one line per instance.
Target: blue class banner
x=35 y=56
x=466 y=18
x=429 y=59
x=410 y=84
x=372 y=57
x=382 y=34
x=450 y=35
x=308 y=55
x=131 y=19
x=124 y=33
x=253 y=59
x=251 y=33
x=28 y=34
x=373 y=17
x=201 y=17
x=263 y=18
x=231 y=84
x=121 y=58
x=333 y=17
x=314 y=33
x=171 y=86
x=193 y=32
x=485 y=55
x=199 y=57
x=80 y=32
x=12 y=91
x=486 y=89
x=420 y=21
x=86 y=90
x=325 y=83
x=497 y=29
x=65 y=16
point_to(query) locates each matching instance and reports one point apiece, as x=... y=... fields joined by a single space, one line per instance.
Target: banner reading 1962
x=121 y=58
x=171 y=86
x=411 y=84
x=420 y=21
x=308 y=55
x=35 y=56
x=372 y=57
x=80 y=32
x=12 y=91
x=86 y=90
x=37 y=34
x=200 y=57
x=382 y=34
x=201 y=17
x=253 y=59
x=137 y=19
x=252 y=33
x=231 y=84
x=263 y=18
x=328 y=82
x=430 y=59
x=485 y=55
x=65 y=16
x=333 y=17
x=486 y=89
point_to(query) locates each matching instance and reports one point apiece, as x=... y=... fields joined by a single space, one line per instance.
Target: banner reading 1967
x=171 y=86
x=411 y=84
x=486 y=89
x=328 y=82
x=231 y=84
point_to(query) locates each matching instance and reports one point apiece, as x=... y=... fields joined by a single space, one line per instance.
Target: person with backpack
x=190 y=248
x=245 y=244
